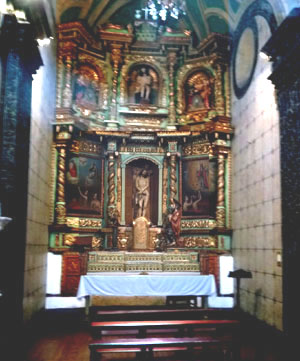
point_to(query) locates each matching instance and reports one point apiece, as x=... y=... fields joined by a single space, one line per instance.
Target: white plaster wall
x=43 y=113
x=256 y=194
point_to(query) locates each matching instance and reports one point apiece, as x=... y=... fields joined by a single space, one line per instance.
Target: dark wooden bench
x=145 y=348
x=182 y=327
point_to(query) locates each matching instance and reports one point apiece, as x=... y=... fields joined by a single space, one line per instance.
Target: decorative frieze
x=84 y=146
x=141 y=149
x=198 y=223
x=197 y=148
x=200 y=242
x=75 y=222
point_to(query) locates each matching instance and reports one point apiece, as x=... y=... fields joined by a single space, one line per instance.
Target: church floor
x=64 y=335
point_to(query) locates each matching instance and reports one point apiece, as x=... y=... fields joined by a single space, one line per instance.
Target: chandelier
x=161 y=10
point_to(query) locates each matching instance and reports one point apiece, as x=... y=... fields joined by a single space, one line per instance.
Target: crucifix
x=146 y=10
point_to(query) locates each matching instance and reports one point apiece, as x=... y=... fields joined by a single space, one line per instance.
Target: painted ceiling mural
x=202 y=16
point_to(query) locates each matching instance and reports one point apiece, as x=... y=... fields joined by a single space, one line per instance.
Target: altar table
x=146 y=285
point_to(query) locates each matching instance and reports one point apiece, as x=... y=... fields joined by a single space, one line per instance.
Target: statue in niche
x=142 y=85
x=199 y=92
x=142 y=191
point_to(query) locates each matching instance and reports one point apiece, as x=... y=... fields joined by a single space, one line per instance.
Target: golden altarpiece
x=141 y=152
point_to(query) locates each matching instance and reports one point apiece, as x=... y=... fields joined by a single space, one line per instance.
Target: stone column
x=220 y=213
x=20 y=58
x=283 y=50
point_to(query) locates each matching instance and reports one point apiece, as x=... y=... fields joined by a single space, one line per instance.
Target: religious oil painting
x=86 y=88
x=84 y=190
x=143 y=85
x=198 y=193
x=199 y=92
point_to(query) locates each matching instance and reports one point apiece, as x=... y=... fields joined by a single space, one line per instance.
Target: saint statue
x=144 y=84
x=142 y=191
x=172 y=224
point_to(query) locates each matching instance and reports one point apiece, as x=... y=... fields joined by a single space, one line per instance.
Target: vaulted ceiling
x=203 y=16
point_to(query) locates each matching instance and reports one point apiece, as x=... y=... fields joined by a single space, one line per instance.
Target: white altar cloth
x=146 y=285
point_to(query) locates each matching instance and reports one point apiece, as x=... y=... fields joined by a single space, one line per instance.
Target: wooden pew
x=145 y=348
x=182 y=327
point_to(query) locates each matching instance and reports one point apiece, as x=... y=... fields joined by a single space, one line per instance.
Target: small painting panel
x=84 y=188
x=198 y=188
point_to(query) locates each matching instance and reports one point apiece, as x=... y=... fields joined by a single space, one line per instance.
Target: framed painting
x=86 y=88
x=198 y=187
x=84 y=185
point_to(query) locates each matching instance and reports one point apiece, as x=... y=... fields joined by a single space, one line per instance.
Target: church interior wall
x=43 y=113
x=256 y=181
x=256 y=192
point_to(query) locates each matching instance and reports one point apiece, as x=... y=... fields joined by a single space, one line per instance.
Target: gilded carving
x=173 y=179
x=229 y=185
x=60 y=212
x=140 y=233
x=220 y=104
x=123 y=243
x=165 y=187
x=197 y=148
x=69 y=239
x=142 y=149
x=52 y=183
x=75 y=222
x=227 y=93
x=144 y=121
x=119 y=186
x=111 y=180
x=172 y=109
x=59 y=81
x=85 y=147
x=90 y=223
x=67 y=94
x=200 y=242
x=220 y=213
x=199 y=223
x=220 y=216
x=60 y=203
x=96 y=242
x=116 y=57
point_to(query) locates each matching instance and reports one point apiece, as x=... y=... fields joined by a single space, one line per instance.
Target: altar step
x=103 y=261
